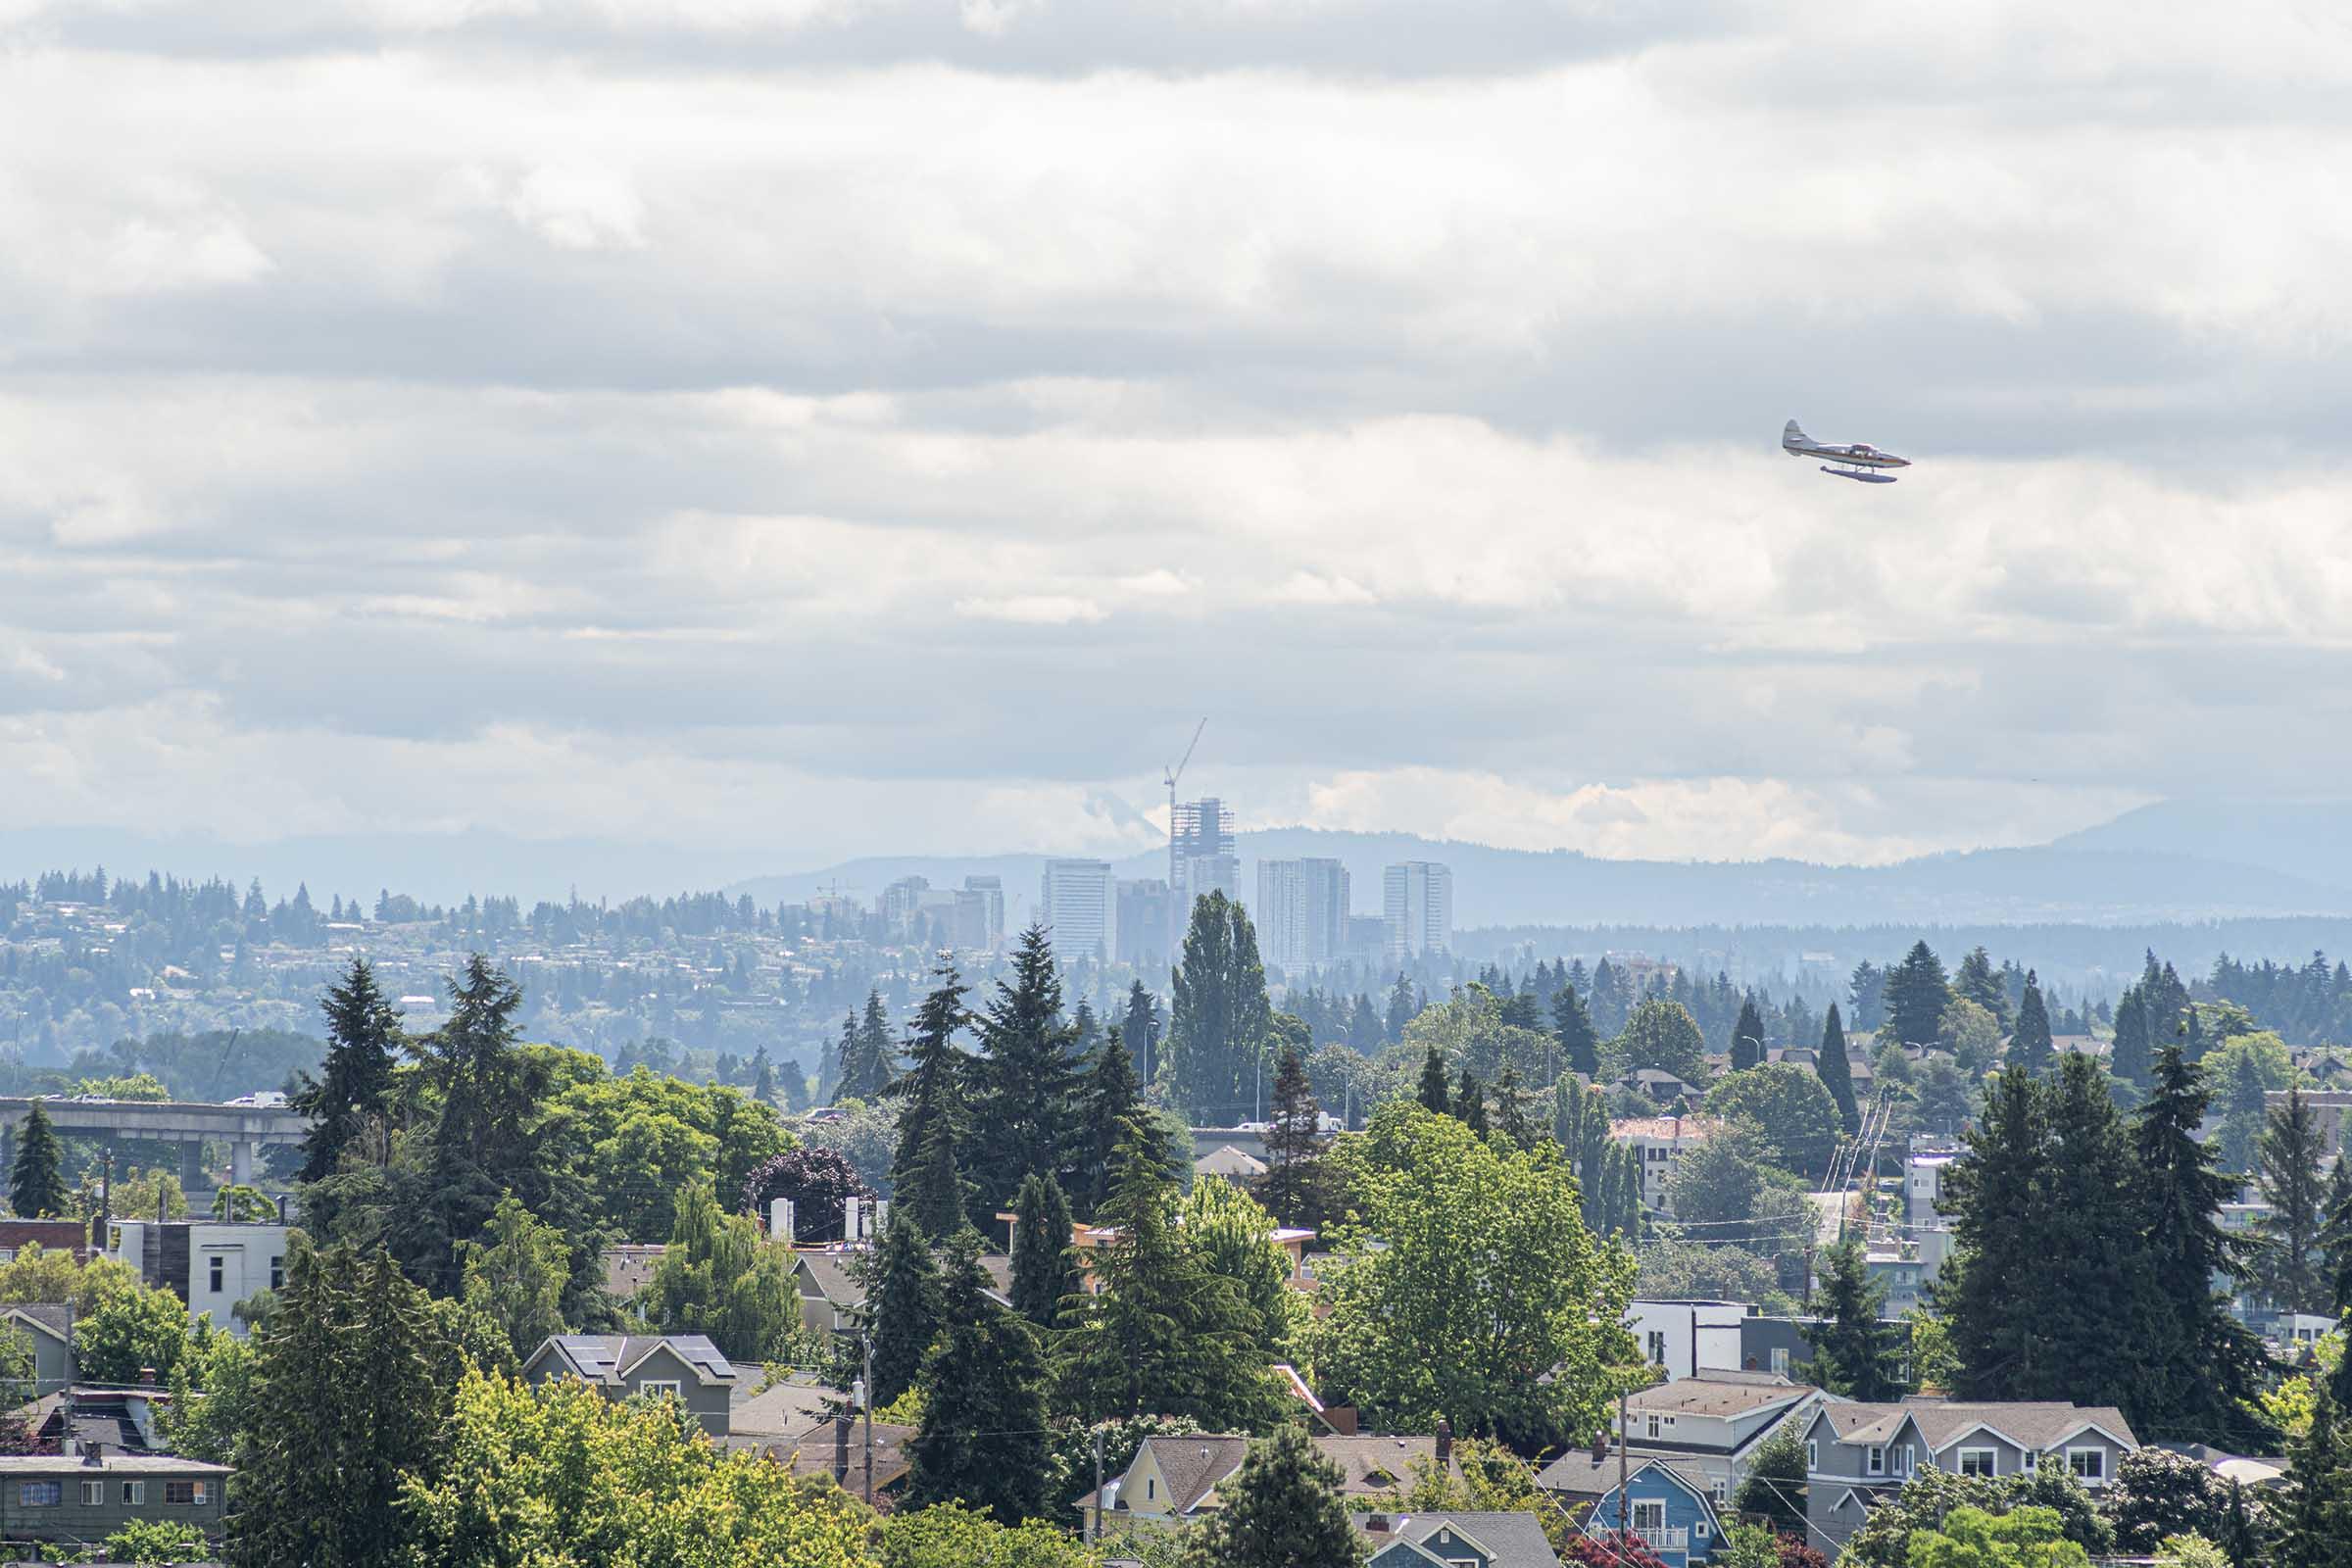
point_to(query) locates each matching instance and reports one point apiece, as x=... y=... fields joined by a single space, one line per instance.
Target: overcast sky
x=829 y=427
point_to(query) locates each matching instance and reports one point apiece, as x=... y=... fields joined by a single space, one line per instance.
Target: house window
x=93 y=1494
x=188 y=1494
x=2031 y=1460
x=1812 y=1454
x=218 y=1264
x=1908 y=1460
x=1699 y=1530
x=1653 y=1426
x=1779 y=1358
x=653 y=1389
x=134 y=1493
x=277 y=1273
x=1150 y=1487
x=1649 y=1515
x=40 y=1493
x=1876 y=1462
x=1975 y=1462
x=2087 y=1464
x=8 y=1254
x=1723 y=1490
x=1658 y=1346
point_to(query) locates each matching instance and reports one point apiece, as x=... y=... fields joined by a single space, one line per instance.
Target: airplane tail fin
x=1792 y=434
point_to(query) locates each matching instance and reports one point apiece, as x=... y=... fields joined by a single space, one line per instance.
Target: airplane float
x=1861 y=459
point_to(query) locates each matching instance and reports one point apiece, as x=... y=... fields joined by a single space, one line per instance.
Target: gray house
x=1454 y=1540
x=1856 y=1453
x=50 y=1497
x=624 y=1365
x=49 y=1326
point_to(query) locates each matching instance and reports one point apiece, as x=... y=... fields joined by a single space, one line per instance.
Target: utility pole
x=1094 y=1528
x=1624 y=1503
x=865 y=1397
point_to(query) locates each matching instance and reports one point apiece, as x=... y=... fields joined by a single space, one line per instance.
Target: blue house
x=1670 y=1513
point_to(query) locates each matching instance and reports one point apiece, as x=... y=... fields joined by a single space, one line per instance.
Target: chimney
x=1376 y=1524
x=93 y=1454
x=1445 y=1443
x=841 y=1448
x=779 y=1219
x=1600 y=1445
x=146 y=1377
x=282 y=1208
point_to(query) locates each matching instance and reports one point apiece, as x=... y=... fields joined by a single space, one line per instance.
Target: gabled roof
x=1713 y=1395
x=1577 y=1474
x=1508 y=1539
x=1379 y=1464
x=52 y=1318
x=2039 y=1425
x=785 y=1409
x=1191 y=1466
x=610 y=1358
x=829 y=1274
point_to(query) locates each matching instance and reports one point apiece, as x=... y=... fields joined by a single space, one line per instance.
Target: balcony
x=1662 y=1541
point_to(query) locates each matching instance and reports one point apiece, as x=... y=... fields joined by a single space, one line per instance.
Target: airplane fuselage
x=1861 y=454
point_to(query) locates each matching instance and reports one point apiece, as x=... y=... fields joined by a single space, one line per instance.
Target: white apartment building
x=1302 y=912
x=1078 y=903
x=1658 y=1142
x=1417 y=906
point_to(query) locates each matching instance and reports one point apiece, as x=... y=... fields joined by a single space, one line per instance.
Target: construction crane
x=1172 y=774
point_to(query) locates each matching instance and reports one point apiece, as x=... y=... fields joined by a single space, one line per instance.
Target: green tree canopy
x=516 y=1278
x=1916 y=998
x=1854 y=1351
x=1471 y=1277
x=718 y=1278
x=36 y=1181
x=1795 y=1118
x=1283 y=1508
x=1971 y=1538
x=1837 y=1069
x=1026 y=1089
x=346 y=1102
x=1220 y=1020
x=1662 y=1034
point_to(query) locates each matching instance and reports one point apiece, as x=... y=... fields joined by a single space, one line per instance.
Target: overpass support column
x=191 y=1166
x=240 y=1162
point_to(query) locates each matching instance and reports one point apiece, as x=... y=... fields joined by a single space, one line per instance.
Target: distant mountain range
x=2169 y=862
x=2059 y=883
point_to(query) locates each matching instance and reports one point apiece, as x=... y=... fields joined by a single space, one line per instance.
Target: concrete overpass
x=245 y=1129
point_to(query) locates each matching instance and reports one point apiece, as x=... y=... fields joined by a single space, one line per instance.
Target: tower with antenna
x=1200 y=846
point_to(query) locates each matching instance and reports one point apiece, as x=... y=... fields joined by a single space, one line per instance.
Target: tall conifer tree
x=1282 y=1509
x=2203 y=1368
x=1292 y=1188
x=1434 y=1094
x=1748 y=1036
x=2031 y=1048
x=934 y=1111
x=983 y=1442
x=1855 y=1352
x=1836 y=1070
x=1141 y=1030
x=2287 y=1173
x=1111 y=1105
x=36 y=1182
x=1220 y=1021
x=1041 y=1250
x=2133 y=1055
x=1027 y=1090
x=1916 y=996
x=363 y=1044
x=1580 y=1042
x=904 y=1305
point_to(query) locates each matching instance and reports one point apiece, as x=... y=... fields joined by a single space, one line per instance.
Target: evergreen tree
x=1854 y=1351
x=1470 y=1103
x=1142 y=1032
x=2100 y=1262
x=1220 y=1020
x=846 y=1072
x=2031 y=1048
x=362 y=1042
x=1161 y=1335
x=1994 y=1294
x=1111 y=1104
x=1041 y=1250
x=877 y=1062
x=1776 y=1483
x=934 y=1117
x=2133 y=1053
x=2315 y=1518
x=36 y=1182
x=1977 y=983
x=1510 y=1109
x=1748 y=1036
x=1580 y=1042
x=904 y=1306
x=1435 y=1093
x=2245 y=1115
x=2335 y=1237
x=2288 y=1259
x=1293 y=1185
x=763 y=1078
x=315 y=1485
x=1836 y=1070
x=1027 y=1091
x=2203 y=1368
x=983 y=1442
x=1916 y=996
x=1403 y=1007
x=1869 y=991
x=1284 y=1508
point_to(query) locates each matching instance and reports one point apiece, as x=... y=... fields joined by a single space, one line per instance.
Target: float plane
x=1859 y=459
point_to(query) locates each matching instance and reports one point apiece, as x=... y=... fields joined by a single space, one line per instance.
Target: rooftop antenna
x=1171 y=775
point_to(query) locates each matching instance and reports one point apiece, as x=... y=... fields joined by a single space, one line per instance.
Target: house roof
x=629 y=1266
x=1667 y=1128
x=1512 y=1540
x=811 y=1456
x=829 y=1273
x=146 y=1464
x=1379 y=1464
x=1577 y=1474
x=53 y=1318
x=611 y=1357
x=1191 y=1466
x=1227 y=1160
x=784 y=1409
x=1719 y=1394
x=2039 y=1425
